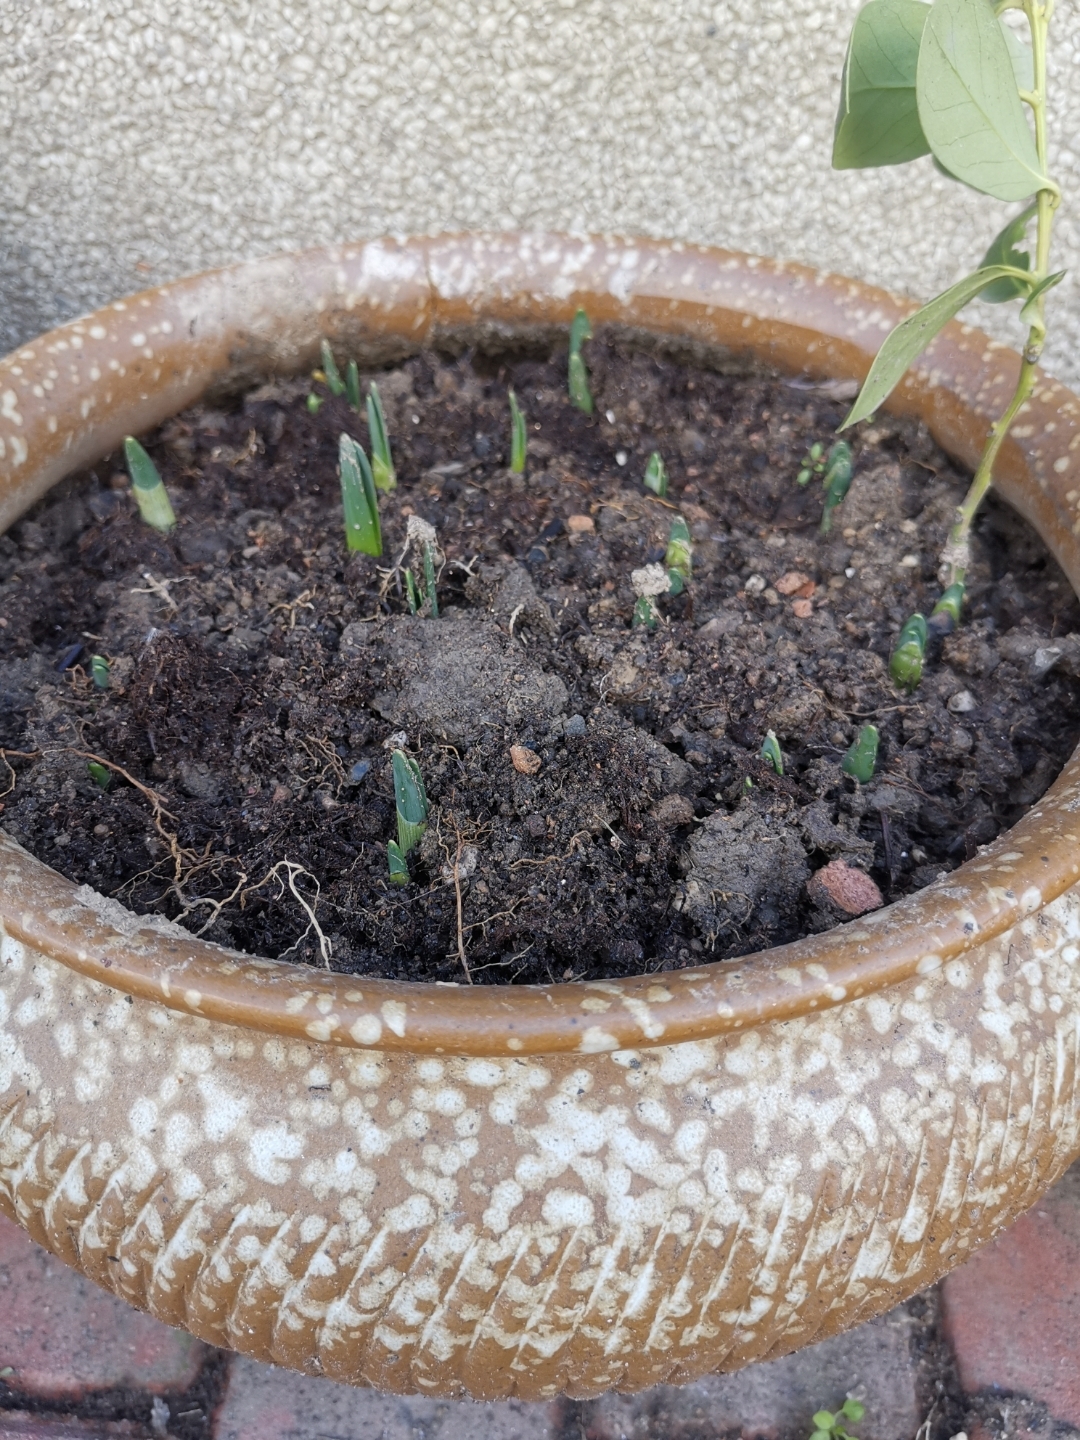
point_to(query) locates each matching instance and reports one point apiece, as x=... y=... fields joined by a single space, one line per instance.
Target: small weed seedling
x=578 y=376
x=656 y=475
x=828 y=1426
x=517 y=437
x=99 y=671
x=382 y=462
x=813 y=464
x=836 y=480
x=952 y=80
x=147 y=488
x=679 y=555
x=411 y=803
x=860 y=759
x=362 y=529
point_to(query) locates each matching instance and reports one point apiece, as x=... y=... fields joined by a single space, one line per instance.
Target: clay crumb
x=674 y=810
x=845 y=888
x=580 y=524
x=524 y=760
x=792 y=582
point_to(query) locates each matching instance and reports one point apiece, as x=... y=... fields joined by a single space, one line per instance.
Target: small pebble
x=358 y=771
x=845 y=887
x=536 y=826
x=397 y=741
x=755 y=585
x=802 y=609
x=792 y=581
x=524 y=760
x=621 y=457
x=610 y=417
x=580 y=524
x=575 y=725
x=770 y=596
x=961 y=702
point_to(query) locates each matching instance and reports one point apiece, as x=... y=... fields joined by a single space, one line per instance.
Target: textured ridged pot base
x=502 y=1191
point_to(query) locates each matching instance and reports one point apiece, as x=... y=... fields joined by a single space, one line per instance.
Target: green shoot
x=362 y=529
x=99 y=671
x=648 y=582
x=517 y=437
x=146 y=486
x=330 y=370
x=397 y=864
x=860 y=760
x=578 y=376
x=423 y=542
x=352 y=386
x=656 y=476
x=945 y=615
x=429 y=580
x=412 y=593
x=812 y=464
x=410 y=799
x=645 y=613
x=314 y=404
x=837 y=481
x=679 y=555
x=770 y=751
x=382 y=464
x=828 y=1426
x=101 y=776
x=906 y=661
x=952 y=80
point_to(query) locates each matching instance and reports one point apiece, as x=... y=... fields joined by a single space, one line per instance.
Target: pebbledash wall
x=144 y=140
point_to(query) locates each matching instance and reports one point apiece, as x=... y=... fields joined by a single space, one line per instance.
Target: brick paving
x=994 y=1352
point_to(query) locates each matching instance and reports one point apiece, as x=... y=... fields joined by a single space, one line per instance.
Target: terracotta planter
x=524 y=1191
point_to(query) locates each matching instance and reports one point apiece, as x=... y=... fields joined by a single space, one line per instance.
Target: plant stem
x=955 y=558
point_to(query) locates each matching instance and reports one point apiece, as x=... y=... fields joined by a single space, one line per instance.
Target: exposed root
x=292 y=869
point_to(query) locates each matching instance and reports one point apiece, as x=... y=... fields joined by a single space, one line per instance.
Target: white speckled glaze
x=575 y=1188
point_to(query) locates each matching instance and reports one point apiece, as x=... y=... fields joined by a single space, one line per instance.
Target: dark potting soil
x=259 y=676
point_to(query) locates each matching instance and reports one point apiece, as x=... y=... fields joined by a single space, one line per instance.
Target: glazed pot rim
x=414 y=290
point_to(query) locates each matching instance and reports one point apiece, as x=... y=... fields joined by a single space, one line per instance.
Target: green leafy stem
x=952 y=80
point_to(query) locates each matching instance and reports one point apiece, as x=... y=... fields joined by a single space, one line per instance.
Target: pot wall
x=577 y=1187
x=142 y=144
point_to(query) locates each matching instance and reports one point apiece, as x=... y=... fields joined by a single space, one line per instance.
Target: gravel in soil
x=600 y=805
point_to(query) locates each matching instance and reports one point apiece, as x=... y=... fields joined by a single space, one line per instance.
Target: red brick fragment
x=844 y=887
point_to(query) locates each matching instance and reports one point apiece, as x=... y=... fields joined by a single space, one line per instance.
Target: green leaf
x=969 y=108
x=1003 y=251
x=878 y=119
x=382 y=462
x=396 y=864
x=853 y=1409
x=410 y=798
x=824 y=1420
x=1029 y=312
x=362 y=529
x=330 y=370
x=911 y=337
x=147 y=489
x=1023 y=62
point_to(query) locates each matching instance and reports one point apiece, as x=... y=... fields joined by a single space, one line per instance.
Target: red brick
x=1012 y=1313
x=18 y=1425
x=874 y=1362
x=62 y=1336
x=263 y=1403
